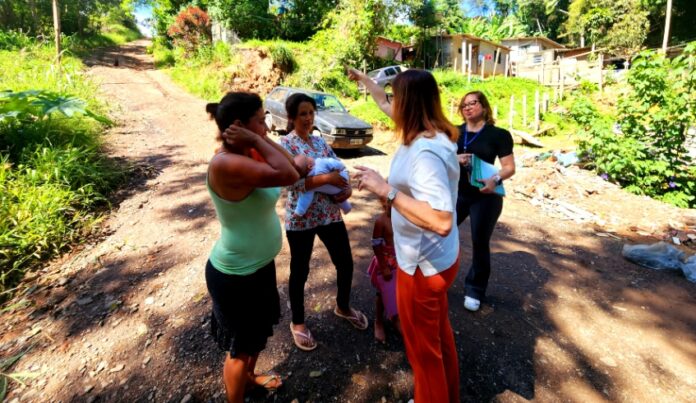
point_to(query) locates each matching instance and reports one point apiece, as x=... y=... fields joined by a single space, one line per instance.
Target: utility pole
x=668 y=20
x=56 y=28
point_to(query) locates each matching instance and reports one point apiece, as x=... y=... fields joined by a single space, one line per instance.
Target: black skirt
x=245 y=308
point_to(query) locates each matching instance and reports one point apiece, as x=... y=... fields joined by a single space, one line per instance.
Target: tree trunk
x=34 y=16
x=668 y=20
x=80 y=20
x=56 y=28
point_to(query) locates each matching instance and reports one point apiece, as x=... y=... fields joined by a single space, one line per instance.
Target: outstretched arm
x=377 y=92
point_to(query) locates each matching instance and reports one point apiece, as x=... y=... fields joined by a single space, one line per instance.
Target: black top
x=490 y=143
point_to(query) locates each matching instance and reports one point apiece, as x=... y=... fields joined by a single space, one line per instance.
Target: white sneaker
x=471 y=304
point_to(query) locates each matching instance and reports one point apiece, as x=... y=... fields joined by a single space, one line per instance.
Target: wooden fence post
x=543 y=71
x=545 y=103
x=495 y=61
x=562 y=84
x=56 y=28
x=536 y=110
x=507 y=65
x=483 y=67
x=601 y=74
x=468 y=76
x=524 y=111
x=364 y=70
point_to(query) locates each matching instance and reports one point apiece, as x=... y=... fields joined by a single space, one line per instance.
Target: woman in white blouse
x=422 y=193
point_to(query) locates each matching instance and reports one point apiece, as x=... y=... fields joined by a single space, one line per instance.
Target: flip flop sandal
x=297 y=336
x=271 y=378
x=356 y=318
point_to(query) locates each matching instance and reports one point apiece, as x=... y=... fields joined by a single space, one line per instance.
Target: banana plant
x=39 y=104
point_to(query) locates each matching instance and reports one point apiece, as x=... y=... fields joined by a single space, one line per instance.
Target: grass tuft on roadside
x=54 y=177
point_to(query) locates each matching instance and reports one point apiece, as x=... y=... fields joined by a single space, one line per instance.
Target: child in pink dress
x=382 y=273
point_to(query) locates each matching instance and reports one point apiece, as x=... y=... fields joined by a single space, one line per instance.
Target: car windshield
x=328 y=103
x=373 y=73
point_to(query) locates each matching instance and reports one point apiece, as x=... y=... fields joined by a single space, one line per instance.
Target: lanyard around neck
x=467 y=142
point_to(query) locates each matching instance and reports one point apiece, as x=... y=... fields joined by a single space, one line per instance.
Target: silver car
x=332 y=121
x=384 y=76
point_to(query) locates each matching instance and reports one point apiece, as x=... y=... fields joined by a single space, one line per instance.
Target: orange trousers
x=424 y=316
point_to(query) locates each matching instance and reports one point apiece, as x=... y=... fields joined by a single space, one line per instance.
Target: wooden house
x=392 y=50
x=532 y=49
x=468 y=53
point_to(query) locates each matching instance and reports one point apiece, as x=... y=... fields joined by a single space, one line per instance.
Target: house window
x=537 y=59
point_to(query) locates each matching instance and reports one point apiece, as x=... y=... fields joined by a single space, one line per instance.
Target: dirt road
x=126 y=317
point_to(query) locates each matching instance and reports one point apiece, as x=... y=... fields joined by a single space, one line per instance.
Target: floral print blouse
x=323 y=210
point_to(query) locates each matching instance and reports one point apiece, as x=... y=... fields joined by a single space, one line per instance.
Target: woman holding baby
x=322 y=218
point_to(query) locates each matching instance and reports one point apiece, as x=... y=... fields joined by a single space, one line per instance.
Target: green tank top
x=250 y=237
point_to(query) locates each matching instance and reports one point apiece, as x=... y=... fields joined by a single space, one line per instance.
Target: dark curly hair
x=233 y=106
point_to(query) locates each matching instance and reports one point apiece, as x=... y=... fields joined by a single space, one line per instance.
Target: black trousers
x=484 y=211
x=335 y=238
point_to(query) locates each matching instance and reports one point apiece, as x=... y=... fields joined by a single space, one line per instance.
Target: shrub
x=648 y=154
x=587 y=87
x=10 y=40
x=583 y=112
x=191 y=29
x=283 y=59
x=52 y=172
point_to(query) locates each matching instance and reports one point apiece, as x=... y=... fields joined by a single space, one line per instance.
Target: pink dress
x=386 y=289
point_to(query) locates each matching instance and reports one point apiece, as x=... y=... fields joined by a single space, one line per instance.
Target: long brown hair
x=417 y=107
x=485 y=105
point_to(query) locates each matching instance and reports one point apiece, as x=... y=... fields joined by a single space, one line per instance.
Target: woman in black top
x=479 y=136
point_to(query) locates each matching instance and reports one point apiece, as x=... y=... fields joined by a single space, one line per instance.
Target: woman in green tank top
x=244 y=180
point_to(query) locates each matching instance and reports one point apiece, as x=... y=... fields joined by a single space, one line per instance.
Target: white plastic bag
x=661 y=256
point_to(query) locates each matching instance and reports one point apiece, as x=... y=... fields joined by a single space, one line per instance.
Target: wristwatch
x=391 y=196
x=498 y=180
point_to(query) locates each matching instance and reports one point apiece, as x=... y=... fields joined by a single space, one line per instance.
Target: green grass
x=203 y=73
x=53 y=175
x=112 y=35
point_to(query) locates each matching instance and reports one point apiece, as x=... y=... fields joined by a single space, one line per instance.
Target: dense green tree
x=304 y=19
x=165 y=11
x=77 y=16
x=352 y=29
x=620 y=26
x=494 y=28
x=248 y=18
x=682 y=27
x=537 y=17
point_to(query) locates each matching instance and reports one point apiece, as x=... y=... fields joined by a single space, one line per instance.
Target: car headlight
x=338 y=131
x=368 y=131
